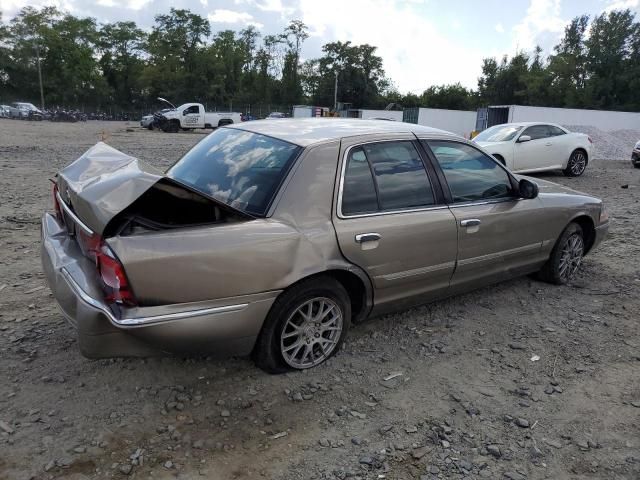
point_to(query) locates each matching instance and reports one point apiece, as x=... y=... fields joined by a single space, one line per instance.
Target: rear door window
x=359 y=189
x=385 y=176
x=400 y=175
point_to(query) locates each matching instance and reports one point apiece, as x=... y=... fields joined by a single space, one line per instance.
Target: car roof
x=307 y=131
x=526 y=124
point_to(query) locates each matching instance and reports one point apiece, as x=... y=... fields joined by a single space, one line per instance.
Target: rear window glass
x=239 y=168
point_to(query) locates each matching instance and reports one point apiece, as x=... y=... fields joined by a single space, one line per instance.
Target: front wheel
x=566 y=256
x=576 y=165
x=306 y=325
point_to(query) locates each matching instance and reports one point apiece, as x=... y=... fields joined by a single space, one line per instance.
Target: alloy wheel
x=311 y=333
x=571 y=256
x=578 y=163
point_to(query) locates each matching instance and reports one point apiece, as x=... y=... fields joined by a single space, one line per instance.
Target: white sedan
x=529 y=147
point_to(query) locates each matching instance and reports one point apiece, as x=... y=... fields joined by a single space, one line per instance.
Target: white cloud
x=416 y=54
x=231 y=16
x=542 y=19
x=499 y=28
x=622 y=5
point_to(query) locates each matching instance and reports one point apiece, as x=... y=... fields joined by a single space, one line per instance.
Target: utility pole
x=335 y=94
x=40 y=77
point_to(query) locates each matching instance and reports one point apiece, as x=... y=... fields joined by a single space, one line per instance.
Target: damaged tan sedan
x=273 y=237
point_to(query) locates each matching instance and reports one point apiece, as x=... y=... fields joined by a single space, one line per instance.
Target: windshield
x=239 y=168
x=25 y=106
x=499 y=133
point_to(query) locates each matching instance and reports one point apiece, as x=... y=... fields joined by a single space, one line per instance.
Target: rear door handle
x=471 y=222
x=548 y=144
x=367 y=237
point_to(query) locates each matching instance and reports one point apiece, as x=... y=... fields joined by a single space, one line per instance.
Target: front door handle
x=548 y=144
x=367 y=237
x=471 y=222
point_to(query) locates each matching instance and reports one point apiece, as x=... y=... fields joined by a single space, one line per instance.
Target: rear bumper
x=223 y=327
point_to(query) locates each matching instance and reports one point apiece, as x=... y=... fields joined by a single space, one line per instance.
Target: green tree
x=175 y=65
x=453 y=97
x=122 y=45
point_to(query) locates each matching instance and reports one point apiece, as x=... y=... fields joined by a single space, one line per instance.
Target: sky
x=422 y=42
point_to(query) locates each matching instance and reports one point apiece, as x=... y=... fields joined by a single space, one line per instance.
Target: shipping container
x=602 y=119
x=461 y=122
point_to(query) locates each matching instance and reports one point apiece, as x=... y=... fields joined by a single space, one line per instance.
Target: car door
x=193 y=118
x=537 y=152
x=391 y=221
x=562 y=144
x=499 y=234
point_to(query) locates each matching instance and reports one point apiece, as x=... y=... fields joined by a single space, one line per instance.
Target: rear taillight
x=89 y=243
x=56 y=203
x=114 y=279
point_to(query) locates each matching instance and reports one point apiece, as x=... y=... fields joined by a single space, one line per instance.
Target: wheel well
x=588 y=229
x=354 y=286
x=225 y=121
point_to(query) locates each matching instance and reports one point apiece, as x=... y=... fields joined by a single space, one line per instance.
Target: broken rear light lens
x=114 y=279
x=56 y=203
x=90 y=244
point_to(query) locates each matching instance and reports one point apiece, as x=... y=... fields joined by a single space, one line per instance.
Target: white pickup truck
x=190 y=116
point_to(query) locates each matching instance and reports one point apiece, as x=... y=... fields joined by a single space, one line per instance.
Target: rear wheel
x=306 y=325
x=566 y=256
x=577 y=164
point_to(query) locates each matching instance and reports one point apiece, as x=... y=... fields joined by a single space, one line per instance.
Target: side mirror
x=527 y=189
x=524 y=138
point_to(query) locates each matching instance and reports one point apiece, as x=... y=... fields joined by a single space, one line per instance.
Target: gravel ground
x=449 y=390
x=614 y=144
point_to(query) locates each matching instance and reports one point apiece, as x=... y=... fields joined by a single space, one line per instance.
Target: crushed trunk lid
x=105 y=182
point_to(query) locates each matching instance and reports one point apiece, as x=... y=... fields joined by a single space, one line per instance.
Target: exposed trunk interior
x=169 y=205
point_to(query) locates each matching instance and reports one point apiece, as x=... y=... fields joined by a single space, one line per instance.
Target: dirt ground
x=466 y=399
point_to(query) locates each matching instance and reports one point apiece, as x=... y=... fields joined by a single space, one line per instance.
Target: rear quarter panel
x=248 y=257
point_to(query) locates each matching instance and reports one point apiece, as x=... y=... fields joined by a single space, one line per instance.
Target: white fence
x=602 y=119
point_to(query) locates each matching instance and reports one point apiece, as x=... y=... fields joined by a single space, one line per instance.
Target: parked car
x=273 y=115
x=5 y=111
x=273 y=237
x=147 y=122
x=529 y=147
x=28 y=111
x=635 y=155
x=191 y=116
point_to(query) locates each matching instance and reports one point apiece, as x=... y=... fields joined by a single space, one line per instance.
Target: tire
x=173 y=127
x=282 y=347
x=569 y=251
x=577 y=164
